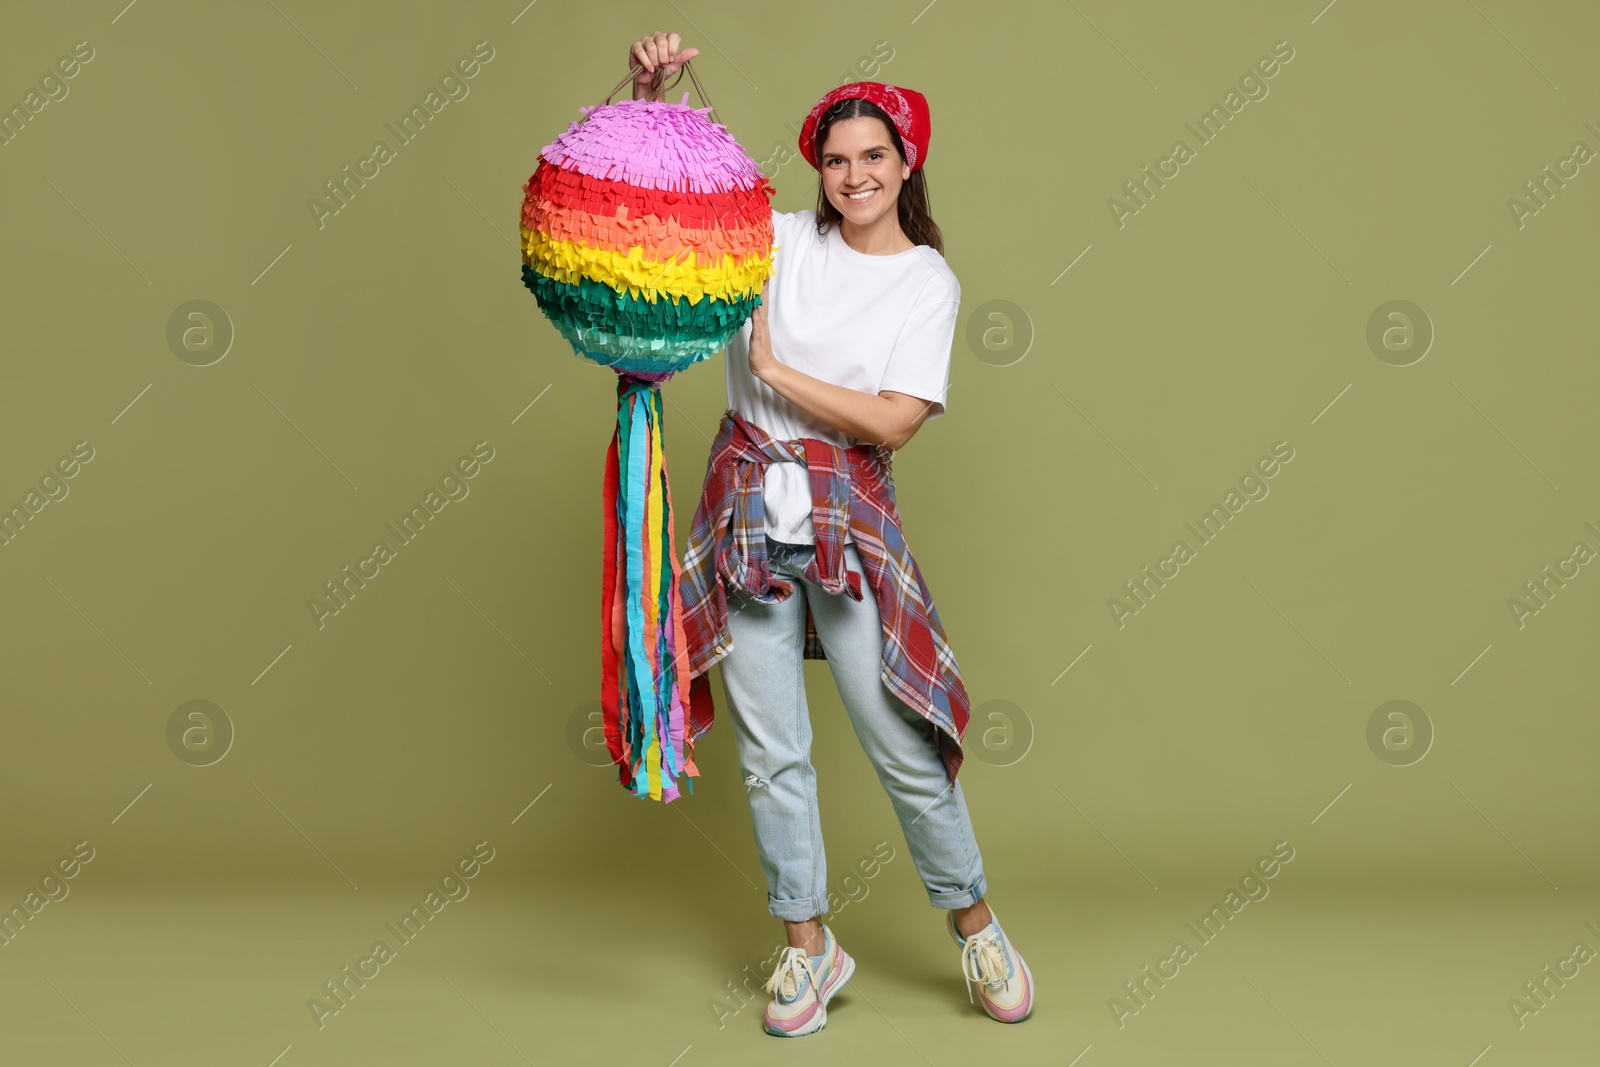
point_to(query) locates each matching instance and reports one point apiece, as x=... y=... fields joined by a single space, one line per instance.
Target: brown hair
x=916 y=221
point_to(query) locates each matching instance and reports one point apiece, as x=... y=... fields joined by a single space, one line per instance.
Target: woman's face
x=861 y=171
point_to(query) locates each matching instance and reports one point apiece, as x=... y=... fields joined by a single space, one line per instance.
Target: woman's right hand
x=657 y=51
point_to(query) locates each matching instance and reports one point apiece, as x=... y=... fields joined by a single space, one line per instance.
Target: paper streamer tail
x=645 y=690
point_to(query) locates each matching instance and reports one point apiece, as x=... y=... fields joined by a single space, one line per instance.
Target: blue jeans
x=767 y=702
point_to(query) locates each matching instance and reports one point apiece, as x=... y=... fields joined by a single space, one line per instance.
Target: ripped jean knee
x=753 y=780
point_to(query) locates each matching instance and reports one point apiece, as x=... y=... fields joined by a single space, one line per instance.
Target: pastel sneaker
x=801 y=991
x=1005 y=985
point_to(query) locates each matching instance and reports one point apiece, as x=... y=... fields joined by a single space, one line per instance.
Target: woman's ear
x=907 y=175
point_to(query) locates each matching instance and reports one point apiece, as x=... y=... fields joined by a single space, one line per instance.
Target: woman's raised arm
x=657 y=51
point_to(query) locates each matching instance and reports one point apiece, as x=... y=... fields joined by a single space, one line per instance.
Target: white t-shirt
x=865 y=322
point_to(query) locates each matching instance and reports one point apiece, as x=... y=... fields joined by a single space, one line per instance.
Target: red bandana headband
x=906 y=108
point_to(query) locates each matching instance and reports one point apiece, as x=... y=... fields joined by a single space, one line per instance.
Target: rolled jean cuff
x=798 y=909
x=961 y=898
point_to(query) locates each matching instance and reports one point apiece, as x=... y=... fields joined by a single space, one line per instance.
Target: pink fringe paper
x=656 y=146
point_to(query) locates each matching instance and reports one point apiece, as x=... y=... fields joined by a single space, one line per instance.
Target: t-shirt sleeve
x=782 y=221
x=782 y=227
x=920 y=363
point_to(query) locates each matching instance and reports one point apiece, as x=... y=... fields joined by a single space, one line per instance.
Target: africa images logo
x=453 y=84
x=341 y=591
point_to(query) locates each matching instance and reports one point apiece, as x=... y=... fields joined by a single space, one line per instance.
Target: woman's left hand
x=761 y=358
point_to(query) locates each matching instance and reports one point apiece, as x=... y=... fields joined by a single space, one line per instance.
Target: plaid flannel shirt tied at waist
x=851 y=488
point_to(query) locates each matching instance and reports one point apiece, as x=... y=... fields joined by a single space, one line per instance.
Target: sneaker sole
x=829 y=988
x=1028 y=1010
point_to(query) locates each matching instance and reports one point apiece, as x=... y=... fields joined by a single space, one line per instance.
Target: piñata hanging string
x=646 y=239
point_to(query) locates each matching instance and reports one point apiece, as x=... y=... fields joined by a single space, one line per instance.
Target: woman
x=846 y=357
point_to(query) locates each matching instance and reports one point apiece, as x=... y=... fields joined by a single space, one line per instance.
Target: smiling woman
x=860 y=129
x=799 y=531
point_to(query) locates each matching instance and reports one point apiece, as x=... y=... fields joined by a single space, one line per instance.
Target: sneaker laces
x=983 y=960
x=789 y=977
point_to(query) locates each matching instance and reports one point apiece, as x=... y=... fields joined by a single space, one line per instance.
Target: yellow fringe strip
x=688 y=275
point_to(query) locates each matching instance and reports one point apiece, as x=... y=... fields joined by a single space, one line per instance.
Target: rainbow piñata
x=646 y=236
x=646 y=239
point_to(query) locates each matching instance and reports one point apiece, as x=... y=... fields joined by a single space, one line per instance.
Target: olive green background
x=1108 y=405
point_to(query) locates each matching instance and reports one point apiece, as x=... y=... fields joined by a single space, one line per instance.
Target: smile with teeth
x=858 y=197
